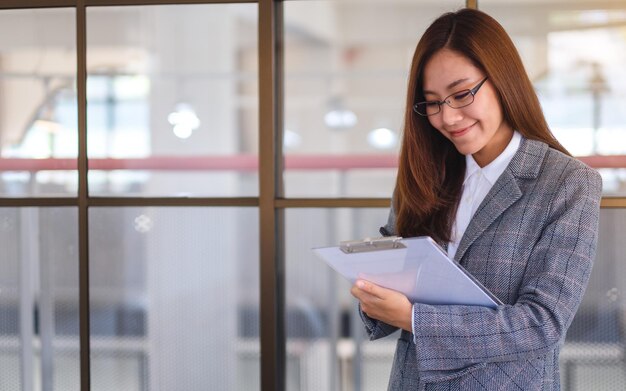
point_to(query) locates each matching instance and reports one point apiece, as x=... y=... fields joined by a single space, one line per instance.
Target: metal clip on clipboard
x=371 y=244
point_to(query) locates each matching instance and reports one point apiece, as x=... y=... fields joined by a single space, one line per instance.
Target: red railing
x=244 y=163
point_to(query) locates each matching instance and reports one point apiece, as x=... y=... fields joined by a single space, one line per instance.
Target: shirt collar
x=493 y=170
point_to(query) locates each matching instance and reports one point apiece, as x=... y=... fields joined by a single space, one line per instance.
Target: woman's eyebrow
x=449 y=86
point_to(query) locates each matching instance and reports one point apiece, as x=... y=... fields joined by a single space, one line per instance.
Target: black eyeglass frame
x=445 y=100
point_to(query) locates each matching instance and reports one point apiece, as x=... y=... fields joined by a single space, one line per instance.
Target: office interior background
x=166 y=167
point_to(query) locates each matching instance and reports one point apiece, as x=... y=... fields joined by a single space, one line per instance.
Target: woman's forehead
x=446 y=70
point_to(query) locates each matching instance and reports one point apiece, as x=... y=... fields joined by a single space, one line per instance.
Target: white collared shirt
x=478 y=181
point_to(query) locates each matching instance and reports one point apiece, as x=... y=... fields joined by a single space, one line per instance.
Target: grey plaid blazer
x=531 y=242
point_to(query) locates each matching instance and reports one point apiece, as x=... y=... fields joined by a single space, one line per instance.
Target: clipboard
x=417 y=267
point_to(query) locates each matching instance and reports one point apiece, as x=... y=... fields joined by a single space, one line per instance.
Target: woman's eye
x=462 y=95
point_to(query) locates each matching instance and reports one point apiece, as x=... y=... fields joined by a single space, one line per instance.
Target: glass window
x=174 y=298
x=574 y=56
x=346 y=68
x=38 y=110
x=39 y=311
x=172 y=100
x=326 y=348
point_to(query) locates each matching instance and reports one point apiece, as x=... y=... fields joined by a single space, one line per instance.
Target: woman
x=481 y=173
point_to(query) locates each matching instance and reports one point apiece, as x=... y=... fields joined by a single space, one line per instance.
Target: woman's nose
x=449 y=115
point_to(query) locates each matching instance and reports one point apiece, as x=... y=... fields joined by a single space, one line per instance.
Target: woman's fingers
x=370 y=295
x=383 y=304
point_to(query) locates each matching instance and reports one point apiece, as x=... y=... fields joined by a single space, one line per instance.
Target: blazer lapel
x=502 y=195
x=505 y=192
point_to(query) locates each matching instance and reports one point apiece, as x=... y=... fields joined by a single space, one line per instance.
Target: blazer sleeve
x=375 y=328
x=448 y=338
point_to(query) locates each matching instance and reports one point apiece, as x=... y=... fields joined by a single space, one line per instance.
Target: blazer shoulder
x=559 y=168
x=559 y=162
x=535 y=158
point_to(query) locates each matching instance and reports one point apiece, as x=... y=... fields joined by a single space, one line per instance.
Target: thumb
x=370 y=288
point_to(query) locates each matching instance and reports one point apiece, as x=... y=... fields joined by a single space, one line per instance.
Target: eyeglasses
x=457 y=100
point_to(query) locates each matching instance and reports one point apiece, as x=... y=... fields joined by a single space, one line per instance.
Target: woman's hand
x=384 y=304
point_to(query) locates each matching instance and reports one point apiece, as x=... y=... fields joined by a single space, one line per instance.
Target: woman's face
x=478 y=129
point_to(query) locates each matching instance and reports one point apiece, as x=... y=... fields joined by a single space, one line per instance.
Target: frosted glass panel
x=39 y=314
x=325 y=339
x=174 y=298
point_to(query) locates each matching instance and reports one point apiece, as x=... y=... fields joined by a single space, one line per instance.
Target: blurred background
x=173 y=112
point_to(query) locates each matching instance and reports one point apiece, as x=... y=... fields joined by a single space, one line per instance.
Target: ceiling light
x=382 y=138
x=184 y=120
x=338 y=117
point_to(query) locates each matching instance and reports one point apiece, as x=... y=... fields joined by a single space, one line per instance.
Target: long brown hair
x=431 y=170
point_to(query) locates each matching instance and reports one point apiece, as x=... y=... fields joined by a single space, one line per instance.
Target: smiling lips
x=460 y=132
